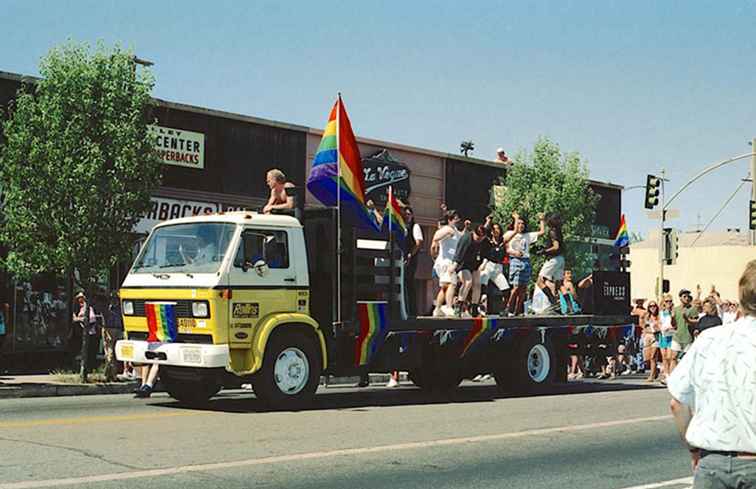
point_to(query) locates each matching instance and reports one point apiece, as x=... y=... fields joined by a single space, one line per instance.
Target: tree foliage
x=77 y=166
x=549 y=181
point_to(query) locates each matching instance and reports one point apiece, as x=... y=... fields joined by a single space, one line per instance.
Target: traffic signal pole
x=753 y=185
x=662 y=257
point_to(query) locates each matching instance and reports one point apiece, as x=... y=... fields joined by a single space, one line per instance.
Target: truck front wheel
x=290 y=373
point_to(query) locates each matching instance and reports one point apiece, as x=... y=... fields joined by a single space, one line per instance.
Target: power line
x=718 y=213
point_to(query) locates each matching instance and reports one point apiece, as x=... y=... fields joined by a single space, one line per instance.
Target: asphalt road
x=588 y=436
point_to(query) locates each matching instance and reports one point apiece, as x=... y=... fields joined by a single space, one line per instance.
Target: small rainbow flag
x=336 y=178
x=373 y=325
x=482 y=328
x=394 y=218
x=622 y=239
x=161 y=321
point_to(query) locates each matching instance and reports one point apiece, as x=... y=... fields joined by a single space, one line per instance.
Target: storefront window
x=40 y=314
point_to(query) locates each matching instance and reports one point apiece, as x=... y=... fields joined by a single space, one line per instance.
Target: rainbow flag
x=393 y=217
x=161 y=321
x=373 y=324
x=622 y=239
x=336 y=178
x=482 y=328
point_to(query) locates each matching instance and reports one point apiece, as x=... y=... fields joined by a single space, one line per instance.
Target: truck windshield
x=185 y=248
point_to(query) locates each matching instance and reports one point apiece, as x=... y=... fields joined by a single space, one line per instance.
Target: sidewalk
x=18 y=386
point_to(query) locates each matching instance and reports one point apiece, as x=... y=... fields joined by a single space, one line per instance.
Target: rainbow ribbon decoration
x=336 y=178
x=161 y=322
x=394 y=218
x=482 y=328
x=373 y=323
x=622 y=239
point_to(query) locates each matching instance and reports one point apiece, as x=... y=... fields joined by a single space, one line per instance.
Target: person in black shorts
x=471 y=249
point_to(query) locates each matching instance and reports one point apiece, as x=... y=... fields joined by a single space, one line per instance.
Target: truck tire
x=531 y=367
x=190 y=392
x=290 y=373
x=435 y=375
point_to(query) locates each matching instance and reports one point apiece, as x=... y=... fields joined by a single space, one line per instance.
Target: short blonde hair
x=747 y=289
x=277 y=175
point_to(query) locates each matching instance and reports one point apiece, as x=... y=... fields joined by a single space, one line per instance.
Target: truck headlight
x=128 y=308
x=200 y=309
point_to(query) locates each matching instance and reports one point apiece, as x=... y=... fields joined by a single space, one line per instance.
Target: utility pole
x=753 y=183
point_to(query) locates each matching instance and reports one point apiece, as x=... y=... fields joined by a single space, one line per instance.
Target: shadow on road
x=350 y=398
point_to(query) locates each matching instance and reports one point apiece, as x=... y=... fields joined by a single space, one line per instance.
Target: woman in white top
x=443 y=247
x=667 y=328
x=519 y=260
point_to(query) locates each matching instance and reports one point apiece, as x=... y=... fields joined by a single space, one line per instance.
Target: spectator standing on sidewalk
x=712 y=407
x=667 y=330
x=686 y=317
x=89 y=327
x=710 y=318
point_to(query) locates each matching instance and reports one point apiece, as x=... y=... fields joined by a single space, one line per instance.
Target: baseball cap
x=684 y=292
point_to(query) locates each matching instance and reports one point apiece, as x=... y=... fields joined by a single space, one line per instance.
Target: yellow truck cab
x=213 y=294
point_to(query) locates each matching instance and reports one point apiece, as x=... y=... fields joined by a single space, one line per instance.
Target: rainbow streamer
x=622 y=239
x=394 y=218
x=161 y=322
x=336 y=178
x=482 y=328
x=373 y=323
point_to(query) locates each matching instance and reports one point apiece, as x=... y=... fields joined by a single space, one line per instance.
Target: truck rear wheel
x=531 y=367
x=290 y=373
x=190 y=392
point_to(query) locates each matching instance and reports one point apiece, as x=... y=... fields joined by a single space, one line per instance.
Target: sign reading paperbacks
x=163 y=209
x=381 y=171
x=179 y=147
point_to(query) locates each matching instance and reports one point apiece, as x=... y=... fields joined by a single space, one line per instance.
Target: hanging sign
x=179 y=147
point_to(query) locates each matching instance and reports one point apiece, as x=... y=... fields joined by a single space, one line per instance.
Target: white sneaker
x=392 y=383
x=247 y=387
x=477 y=378
x=448 y=311
x=437 y=312
x=486 y=377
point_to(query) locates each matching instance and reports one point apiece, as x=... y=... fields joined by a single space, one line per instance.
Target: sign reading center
x=179 y=147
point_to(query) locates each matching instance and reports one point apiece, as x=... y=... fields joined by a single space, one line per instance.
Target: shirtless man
x=276 y=180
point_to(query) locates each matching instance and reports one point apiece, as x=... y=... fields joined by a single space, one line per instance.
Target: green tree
x=77 y=165
x=549 y=181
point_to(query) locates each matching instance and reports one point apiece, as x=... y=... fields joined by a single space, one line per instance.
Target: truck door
x=262 y=281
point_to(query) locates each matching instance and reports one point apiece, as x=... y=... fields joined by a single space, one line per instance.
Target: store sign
x=163 y=209
x=179 y=147
x=380 y=171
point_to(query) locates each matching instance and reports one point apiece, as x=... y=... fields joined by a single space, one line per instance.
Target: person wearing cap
x=712 y=403
x=501 y=157
x=90 y=328
x=686 y=318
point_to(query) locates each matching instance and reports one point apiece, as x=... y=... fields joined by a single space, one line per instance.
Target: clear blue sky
x=632 y=86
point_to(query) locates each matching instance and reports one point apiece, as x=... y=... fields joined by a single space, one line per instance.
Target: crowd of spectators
x=665 y=332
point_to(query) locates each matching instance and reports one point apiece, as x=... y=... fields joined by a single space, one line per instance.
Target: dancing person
x=444 y=244
x=520 y=269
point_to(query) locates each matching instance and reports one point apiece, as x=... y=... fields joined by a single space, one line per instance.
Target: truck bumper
x=178 y=354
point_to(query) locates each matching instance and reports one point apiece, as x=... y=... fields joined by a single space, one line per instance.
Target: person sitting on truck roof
x=276 y=180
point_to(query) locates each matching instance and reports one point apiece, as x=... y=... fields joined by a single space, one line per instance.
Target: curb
x=19 y=391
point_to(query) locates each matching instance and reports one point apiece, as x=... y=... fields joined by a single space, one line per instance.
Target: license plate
x=127 y=352
x=192 y=355
x=187 y=323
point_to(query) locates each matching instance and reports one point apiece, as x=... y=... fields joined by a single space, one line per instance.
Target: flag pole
x=389 y=210
x=338 y=210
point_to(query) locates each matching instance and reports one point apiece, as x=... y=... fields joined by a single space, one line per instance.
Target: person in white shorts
x=552 y=271
x=444 y=244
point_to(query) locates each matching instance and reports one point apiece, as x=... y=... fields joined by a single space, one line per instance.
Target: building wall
x=721 y=266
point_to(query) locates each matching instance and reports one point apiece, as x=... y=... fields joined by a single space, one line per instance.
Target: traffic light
x=671 y=246
x=653 y=189
x=665 y=286
x=752 y=216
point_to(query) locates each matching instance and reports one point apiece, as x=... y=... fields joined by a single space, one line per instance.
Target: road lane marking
x=140 y=474
x=92 y=419
x=674 y=482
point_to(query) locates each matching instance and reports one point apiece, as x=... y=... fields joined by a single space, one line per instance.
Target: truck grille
x=183 y=307
x=204 y=339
